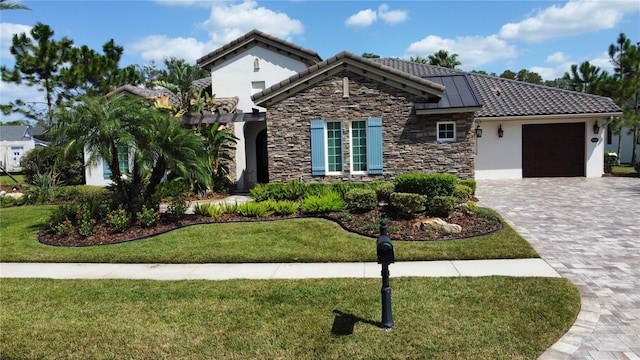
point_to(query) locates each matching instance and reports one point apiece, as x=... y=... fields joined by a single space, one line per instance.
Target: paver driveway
x=589 y=231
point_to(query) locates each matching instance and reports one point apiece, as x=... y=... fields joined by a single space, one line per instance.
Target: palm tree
x=442 y=58
x=5 y=6
x=156 y=142
x=219 y=143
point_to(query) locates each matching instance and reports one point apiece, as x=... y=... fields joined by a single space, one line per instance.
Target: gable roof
x=258 y=38
x=510 y=98
x=15 y=133
x=427 y=89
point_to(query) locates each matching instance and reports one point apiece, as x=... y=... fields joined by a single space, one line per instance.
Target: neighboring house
x=15 y=142
x=98 y=172
x=317 y=121
x=625 y=140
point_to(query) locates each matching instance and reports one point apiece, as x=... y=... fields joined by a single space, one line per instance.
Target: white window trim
x=326 y=148
x=438 y=138
x=353 y=172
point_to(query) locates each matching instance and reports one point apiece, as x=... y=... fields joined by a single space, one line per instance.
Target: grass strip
x=295 y=240
x=447 y=318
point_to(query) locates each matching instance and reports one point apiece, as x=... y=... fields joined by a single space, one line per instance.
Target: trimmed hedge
x=431 y=185
x=361 y=200
x=407 y=205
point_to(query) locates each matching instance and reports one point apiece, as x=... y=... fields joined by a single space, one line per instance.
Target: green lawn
x=623 y=169
x=296 y=240
x=7 y=181
x=448 y=318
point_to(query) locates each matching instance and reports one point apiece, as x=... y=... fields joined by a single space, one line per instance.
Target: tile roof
x=15 y=133
x=505 y=98
x=258 y=38
x=346 y=60
x=222 y=105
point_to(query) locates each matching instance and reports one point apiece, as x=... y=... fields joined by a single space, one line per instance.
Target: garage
x=553 y=150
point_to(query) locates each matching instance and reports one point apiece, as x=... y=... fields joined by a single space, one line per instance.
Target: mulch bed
x=367 y=224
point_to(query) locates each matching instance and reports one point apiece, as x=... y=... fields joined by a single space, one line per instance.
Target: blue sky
x=541 y=36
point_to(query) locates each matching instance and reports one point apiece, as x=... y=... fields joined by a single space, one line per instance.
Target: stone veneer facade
x=409 y=140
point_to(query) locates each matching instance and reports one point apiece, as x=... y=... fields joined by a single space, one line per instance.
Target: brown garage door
x=553 y=150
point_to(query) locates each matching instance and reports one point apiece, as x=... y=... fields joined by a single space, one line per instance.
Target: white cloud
x=574 y=18
x=30 y=94
x=226 y=23
x=557 y=58
x=603 y=61
x=393 y=16
x=160 y=47
x=473 y=51
x=363 y=18
x=7 y=30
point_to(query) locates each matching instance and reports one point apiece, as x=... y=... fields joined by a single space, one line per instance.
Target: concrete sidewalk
x=507 y=267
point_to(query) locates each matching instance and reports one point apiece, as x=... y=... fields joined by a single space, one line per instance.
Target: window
x=123 y=162
x=334 y=147
x=257 y=86
x=358 y=146
x=327 y=143
x=446 y=131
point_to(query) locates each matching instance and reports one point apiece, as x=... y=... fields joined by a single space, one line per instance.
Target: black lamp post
x=386 y=256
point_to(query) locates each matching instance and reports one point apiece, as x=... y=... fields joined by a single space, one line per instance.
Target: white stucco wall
x=501 y=158
x=626 y=146
x=234 y=77
x=93 y=174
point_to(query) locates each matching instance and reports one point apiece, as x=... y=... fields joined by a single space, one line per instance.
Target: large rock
x=439 y=225
x=15 y=195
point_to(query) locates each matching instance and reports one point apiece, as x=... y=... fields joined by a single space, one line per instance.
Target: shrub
x=94 y=199
x=64 y=228
x=610 y=160
x=228 y=208
x=470 y=183
x=407 y=205
x=442 y=206
x=331 y=202
x=260 y=192
x=177 y=208
x=86 y=224
x=342 y=188
x=148 y=217
x=8 y=201
x=462 y=193
x=66 y=192
x=208 y=209
x=468 y=208
x=276 y=191
x=284 y=207
x=252 y=209
x=118 y=220
x=293 y=190
x=21 y=200
x=361 y=200
x=431 y=185
x=49 y=159
x=43 y=189
x=63 y=212
x=384 y=190
x=318 y=189
x=170 y=189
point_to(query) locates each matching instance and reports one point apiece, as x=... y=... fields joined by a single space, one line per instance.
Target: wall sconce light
x=596 y=127
x=478 y=131
x=500 y=131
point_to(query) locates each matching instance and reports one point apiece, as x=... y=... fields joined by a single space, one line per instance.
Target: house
x=431 y=119
x=15 y=142
x=348 y=118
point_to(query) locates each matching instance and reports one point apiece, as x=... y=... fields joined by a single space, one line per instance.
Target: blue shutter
x=374 y=146
x=317 y=147
x=106 y=172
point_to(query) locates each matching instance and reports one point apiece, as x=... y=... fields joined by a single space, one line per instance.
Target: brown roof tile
x=258 y=38
x=504 y=97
